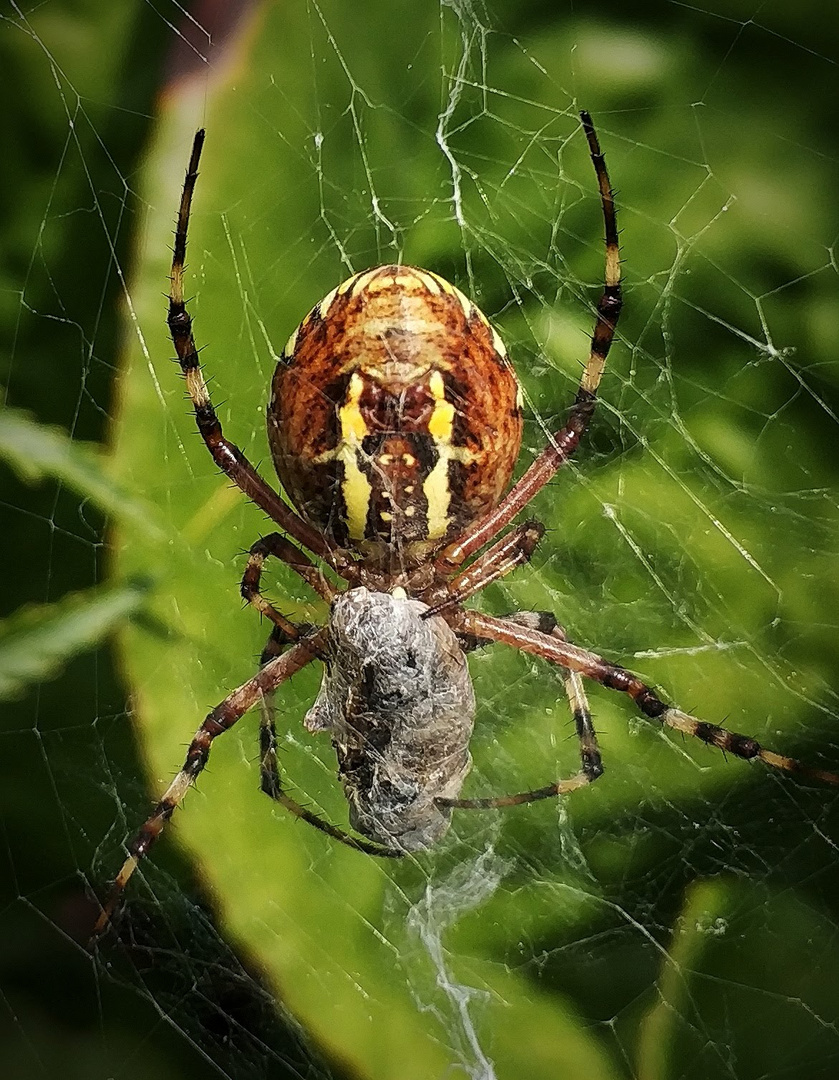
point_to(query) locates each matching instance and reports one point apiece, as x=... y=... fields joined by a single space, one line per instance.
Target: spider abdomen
x=394 y=418
x=398 y=702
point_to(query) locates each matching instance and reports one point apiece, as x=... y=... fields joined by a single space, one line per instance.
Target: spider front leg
x=221 y=719
x=226 y=455
x=281 y=549
x=591 y=765
x=616 y=677
x=563 y=444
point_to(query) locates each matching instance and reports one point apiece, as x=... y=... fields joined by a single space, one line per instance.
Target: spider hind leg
x=590 y=665
x=219 y=720
x=591 y=764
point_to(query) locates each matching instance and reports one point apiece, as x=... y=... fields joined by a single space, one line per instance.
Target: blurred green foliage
x=679 y=918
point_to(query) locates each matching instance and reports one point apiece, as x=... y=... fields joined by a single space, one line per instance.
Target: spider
x=394 y=424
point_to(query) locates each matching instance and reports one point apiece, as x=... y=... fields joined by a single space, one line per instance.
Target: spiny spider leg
x=563 y=444
x=512 y=550
x=615 y=677
x=269 y=771
x=220 y=719
x=591 y=766
x=286 y=552
x=269 y=776
x=226 y=455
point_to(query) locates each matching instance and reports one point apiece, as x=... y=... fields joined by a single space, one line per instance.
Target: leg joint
x=592 y=764
x=650 y=703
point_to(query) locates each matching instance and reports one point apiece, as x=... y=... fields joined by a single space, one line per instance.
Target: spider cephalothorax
x=395 y=423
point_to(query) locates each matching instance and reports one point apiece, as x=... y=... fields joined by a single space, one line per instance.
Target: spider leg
x=269 y=772
x=220 y=719
x=226 y=455
x=615 y=677
x=591 y=765
x=269 y=775
x=563 y=444
x=513 y=549
x=286 y=552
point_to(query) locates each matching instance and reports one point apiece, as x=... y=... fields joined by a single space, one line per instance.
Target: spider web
x=679 y=917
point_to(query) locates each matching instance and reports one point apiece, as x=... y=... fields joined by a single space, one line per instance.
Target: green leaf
x=38 y=452
x=532 y=938
x=38 y=641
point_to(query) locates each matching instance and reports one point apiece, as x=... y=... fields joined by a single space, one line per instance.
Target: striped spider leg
x=279 y=664
x=555 y=648
x=591 y=765
x=562 y=444
x=226 y=454
x=218 y=720
x=540 y=635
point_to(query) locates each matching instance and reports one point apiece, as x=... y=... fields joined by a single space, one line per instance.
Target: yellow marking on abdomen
x=326 y=303
x=498 y=344
x=345 y=286
x=291 y=344
x=366 y=281
x=468 y=307
x=436 y=486
x=442 y=418
x=355 y=487
x=445 y=286
x=438 y=495
x=430 y=281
